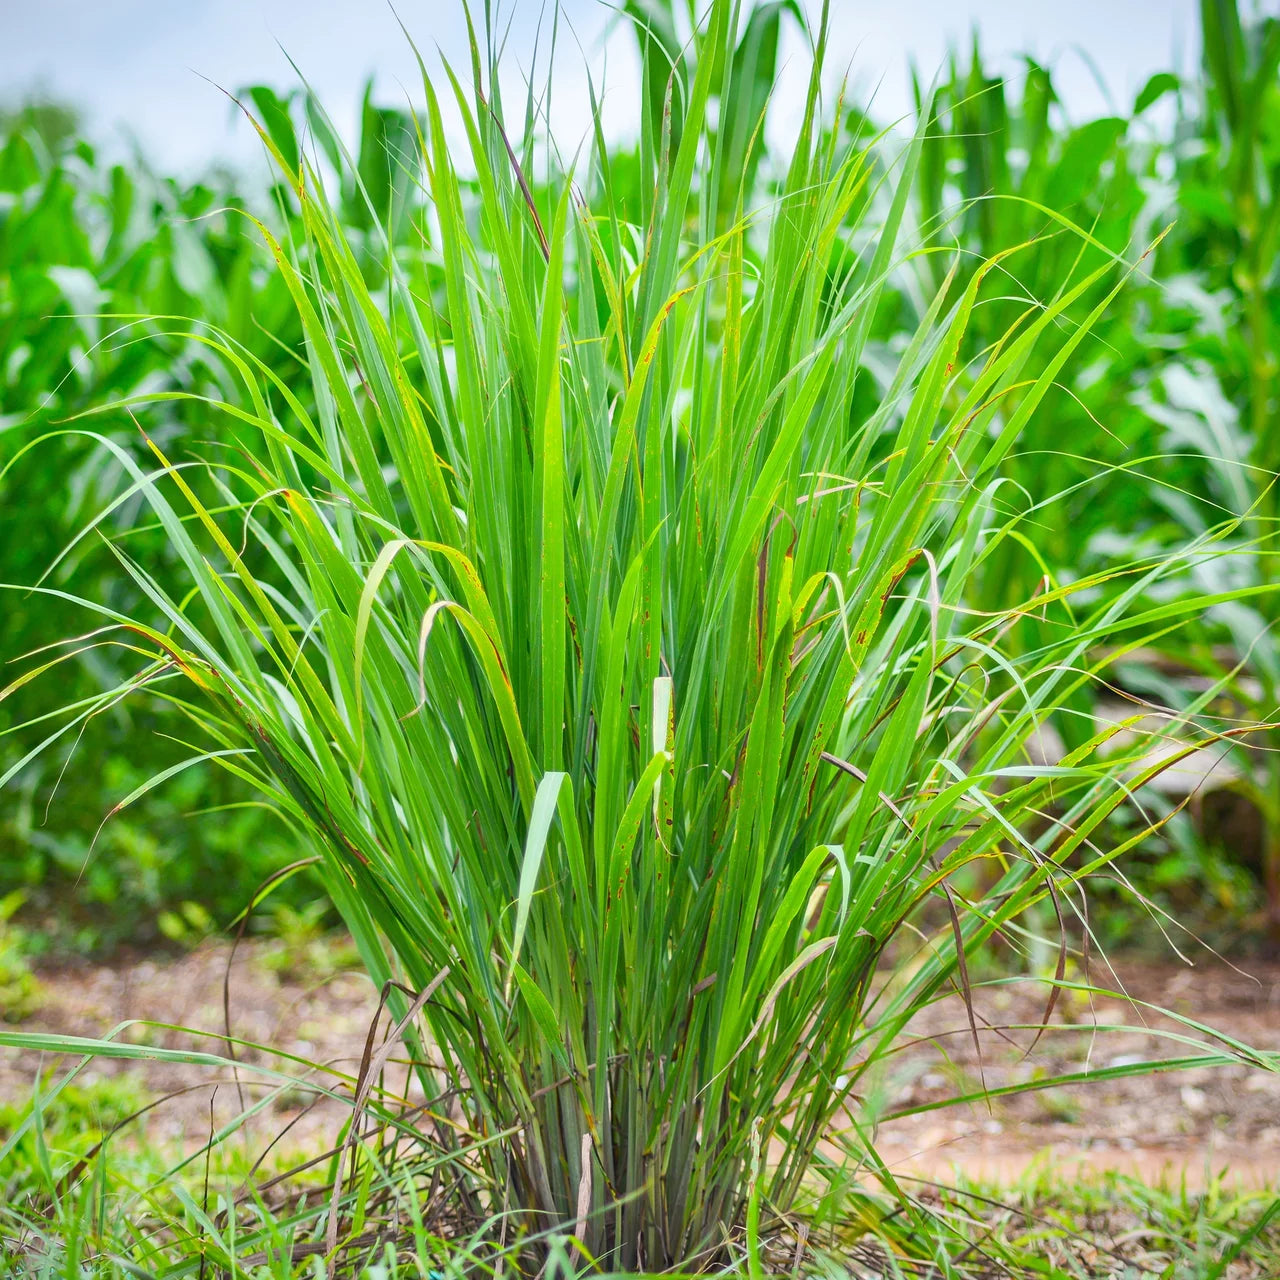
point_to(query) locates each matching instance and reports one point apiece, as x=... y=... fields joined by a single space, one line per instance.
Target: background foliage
x=1175 y=391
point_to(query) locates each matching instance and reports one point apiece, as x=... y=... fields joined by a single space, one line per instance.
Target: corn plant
x=606 y=625
x=92 y=258
x=1000 y=168
x=1176 y=373
x=1212 y=374
x=1230 y=183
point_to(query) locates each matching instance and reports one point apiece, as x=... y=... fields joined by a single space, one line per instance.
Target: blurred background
x=123 y=165
x=151 y=71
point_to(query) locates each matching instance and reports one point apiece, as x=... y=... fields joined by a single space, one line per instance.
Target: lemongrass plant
x=619 y=666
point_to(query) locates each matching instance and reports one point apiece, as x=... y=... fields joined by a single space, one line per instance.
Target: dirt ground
x=1179 y=1125
x=1186 y=1124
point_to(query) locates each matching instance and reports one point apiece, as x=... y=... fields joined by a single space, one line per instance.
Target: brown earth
x=1176 y=1125
x=1188 y=1124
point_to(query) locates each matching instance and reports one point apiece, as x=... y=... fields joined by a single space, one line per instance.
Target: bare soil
x=1189 y=1124
x=1185 y=1125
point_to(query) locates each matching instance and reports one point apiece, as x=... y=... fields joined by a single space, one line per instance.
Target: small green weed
x=20 y=994
x=304 y=944
x=62 y=1125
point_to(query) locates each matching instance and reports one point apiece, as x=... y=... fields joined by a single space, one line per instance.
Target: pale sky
x=143 y=67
